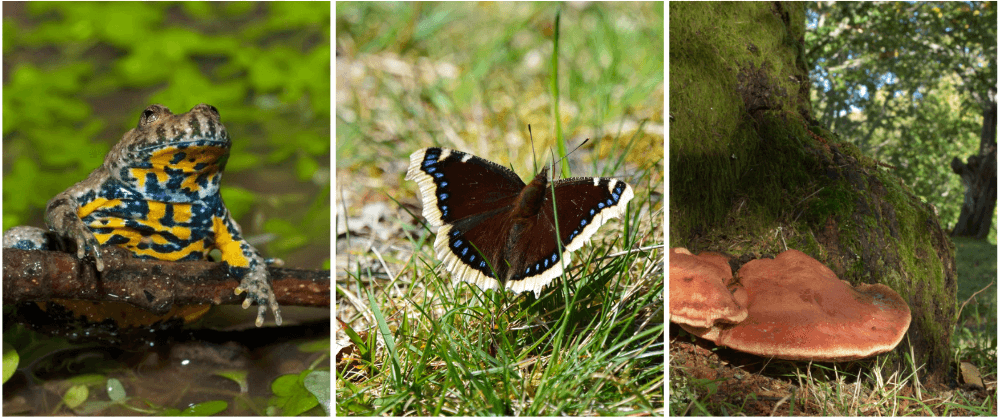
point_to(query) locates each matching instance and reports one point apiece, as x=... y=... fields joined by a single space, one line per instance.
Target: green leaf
x=291 y=395
x=205 y=409
x=318 y=384
x=76 y=396
x=305 y=168
x=10 y=361
x=238 y=376
x=115 y=390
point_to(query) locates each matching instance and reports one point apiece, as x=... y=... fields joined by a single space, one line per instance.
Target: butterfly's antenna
x=567 y=154
x=533 y=156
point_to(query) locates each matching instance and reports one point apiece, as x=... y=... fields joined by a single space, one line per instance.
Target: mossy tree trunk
x=750 y=174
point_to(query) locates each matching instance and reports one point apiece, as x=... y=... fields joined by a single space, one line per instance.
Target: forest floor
x=709 y=380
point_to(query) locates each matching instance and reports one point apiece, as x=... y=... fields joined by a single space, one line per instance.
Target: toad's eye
x=148 y=116
x=214 y=110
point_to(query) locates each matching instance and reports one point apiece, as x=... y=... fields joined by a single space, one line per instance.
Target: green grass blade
x=554 y=87
x=390 y=342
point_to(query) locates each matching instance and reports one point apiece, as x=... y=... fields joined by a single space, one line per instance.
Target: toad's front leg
x=245 y=261
x=63 y=216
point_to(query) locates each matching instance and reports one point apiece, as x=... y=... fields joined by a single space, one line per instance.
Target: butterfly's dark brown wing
x=495 y=230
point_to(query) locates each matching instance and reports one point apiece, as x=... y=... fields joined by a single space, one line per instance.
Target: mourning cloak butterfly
x=495 y=230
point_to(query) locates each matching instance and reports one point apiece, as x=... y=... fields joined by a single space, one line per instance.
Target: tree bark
x=153 y=285
x=979 y=175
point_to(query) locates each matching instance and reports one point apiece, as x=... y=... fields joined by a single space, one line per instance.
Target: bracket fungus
x=799 y=310
x=699 y=294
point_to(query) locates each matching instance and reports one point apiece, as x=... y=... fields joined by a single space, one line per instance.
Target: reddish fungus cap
x=699 y=296
x=799 y=310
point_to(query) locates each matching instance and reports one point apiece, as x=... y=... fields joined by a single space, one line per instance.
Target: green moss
x=711 y=125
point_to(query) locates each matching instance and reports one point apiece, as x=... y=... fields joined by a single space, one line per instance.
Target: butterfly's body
x=495 y=231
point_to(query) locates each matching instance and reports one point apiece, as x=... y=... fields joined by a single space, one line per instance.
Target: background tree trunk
x=979 y=176
x=751 y=175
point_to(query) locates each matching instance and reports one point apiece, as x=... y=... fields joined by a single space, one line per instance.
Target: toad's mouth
x=187 y=143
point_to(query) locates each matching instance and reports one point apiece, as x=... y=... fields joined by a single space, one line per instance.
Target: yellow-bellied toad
x=157 y=194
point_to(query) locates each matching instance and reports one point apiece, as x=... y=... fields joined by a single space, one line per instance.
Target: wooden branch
x=153 y=285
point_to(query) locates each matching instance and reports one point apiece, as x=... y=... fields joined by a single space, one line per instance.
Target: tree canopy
x=907 y=83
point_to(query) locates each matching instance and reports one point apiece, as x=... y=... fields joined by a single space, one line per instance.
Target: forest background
x=907 y=84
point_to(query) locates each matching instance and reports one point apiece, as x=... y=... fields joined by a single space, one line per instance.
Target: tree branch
x=152 y=285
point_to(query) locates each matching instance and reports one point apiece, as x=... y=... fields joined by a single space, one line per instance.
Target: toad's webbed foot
x=257 y=286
